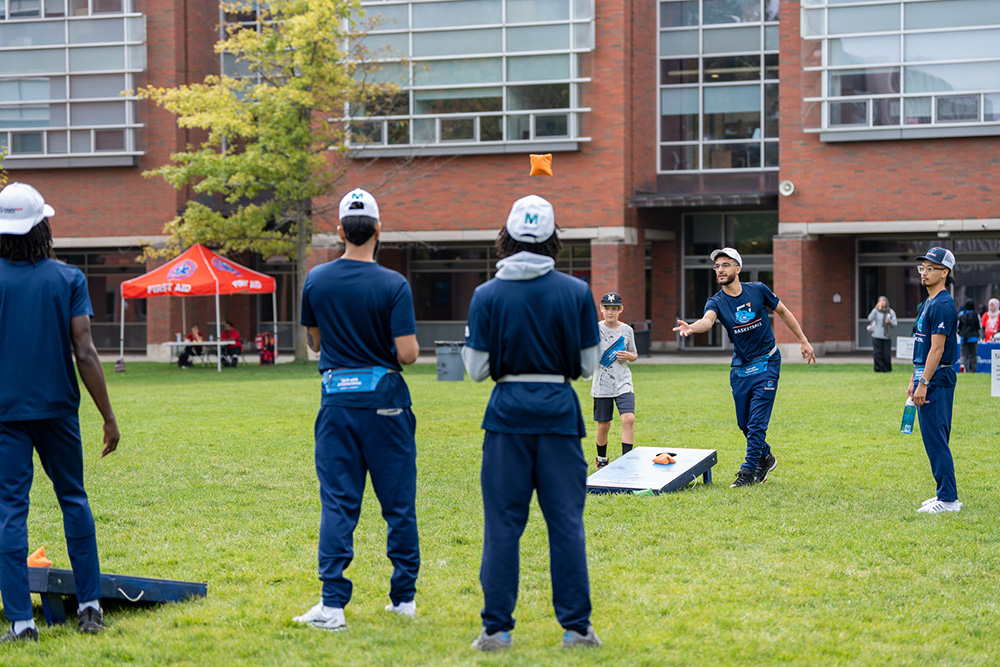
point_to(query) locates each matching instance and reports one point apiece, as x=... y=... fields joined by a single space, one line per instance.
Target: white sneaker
x=324 y=618
x=929 y=501
x=940 y=506
x=403 y=608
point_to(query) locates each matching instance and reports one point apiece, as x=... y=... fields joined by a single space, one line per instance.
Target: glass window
x=97 y=113
x=96 y=58
x=771 y=9
x=107 y=6
x=458 y=129
x=57 y=142
x=109 y=140
x=518 y=128
x=583 y=36
x=951 y=13
x=849 y=113
x=136 y=27
x=732 y=112
x=679 y=158
x=54 y=9
x=962 y=45
x=732 y=68
x=552 y=126
x=35 y=61
x=731 y=40
x=537 y=68
x=98 y=30
x=771 y=154
x=23 y=9
x=944 y=78
x=885 y=111
x=991 y=107
x=390 y=17
x=678 y=14
x=96 y=85
x=864 y=50
x=679 y=114
x=751 y=233
x=530 y=11
x=137 y=57
x=25 y=142
x=381 y=45
x=463 y=12
x=771 y=110
x=771 y=38
x=916 y=110
x=679 y=43
x=732 y=156
x=466 y=70
x=731 y=11
x=490 y=128
x=25 y=90
x=813 y=23
x=31 y=34
x=456 y=42
x=79 y=141
x=546 y=96
x=538 y=38
x=583 y=9
x=876 y=18
x=771 y=66
x=24 y=116
x=399 y=132
x=958 y=109
x=424 y=130
x=683 y=70
x=468 y=100
x=864 y=82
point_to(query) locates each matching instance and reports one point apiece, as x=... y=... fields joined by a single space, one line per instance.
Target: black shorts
x=604 y=410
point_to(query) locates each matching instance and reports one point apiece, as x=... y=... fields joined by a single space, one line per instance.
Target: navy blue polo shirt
x=37 y=302
x=746 y=320
x=938 y=316
x=360 y=309
x=533 y=326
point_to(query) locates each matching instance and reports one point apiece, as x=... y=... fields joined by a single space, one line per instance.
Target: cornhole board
x=636 y=471
x=53 y=584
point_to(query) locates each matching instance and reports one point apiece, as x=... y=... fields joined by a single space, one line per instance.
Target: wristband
x=924 y=381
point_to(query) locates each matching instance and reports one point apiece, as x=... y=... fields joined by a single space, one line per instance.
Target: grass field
x=825 y=564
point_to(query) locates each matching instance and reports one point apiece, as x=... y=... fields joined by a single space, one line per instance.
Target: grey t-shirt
x=616 y=379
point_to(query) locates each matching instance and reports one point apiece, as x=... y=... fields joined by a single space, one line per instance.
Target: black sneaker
x=91 y=621
x=766 y=465
x=26 y=635
x=744 y=478
x=601 y=461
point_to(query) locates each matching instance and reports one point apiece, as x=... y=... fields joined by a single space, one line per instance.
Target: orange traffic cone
x=38 y=559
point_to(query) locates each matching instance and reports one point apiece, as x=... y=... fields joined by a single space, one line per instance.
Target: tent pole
x=184 y=324
x=274 y=309
x=121 y=339
x=218 y=328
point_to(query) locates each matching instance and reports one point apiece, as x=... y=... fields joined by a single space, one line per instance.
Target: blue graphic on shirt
x=743 y=316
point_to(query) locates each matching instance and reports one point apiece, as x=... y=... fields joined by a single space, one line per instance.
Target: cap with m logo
x=531 y=220
x=358 y=202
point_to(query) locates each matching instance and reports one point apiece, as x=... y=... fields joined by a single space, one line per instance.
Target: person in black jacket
x=970 y=330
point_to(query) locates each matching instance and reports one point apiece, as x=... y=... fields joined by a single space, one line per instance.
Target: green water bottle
x=909 y=416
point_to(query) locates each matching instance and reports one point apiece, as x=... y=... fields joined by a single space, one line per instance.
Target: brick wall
x=620 y=267
x=666 y=277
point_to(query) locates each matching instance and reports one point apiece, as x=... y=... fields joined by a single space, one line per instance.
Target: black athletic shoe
x=766 y=465
x=91 y=621
x=601 y=461
x=744 y=478
x=26 y=635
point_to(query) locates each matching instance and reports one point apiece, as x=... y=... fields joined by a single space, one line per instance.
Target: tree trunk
x=301 y=269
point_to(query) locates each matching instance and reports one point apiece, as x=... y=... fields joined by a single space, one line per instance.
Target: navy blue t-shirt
x=360 y=308
x=37 y=302
x=938 y=316
x=533 y=326
x=746 y=321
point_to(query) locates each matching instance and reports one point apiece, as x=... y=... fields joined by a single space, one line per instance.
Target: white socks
x=92 y=604
x=21 y=626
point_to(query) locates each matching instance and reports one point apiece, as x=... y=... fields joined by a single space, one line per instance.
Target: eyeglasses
x=724 y=265
x=927 y=269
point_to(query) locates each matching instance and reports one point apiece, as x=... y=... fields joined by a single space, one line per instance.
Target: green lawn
x=826 y=563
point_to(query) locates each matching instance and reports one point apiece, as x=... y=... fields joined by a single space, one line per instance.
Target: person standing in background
x=991 y=320
x=969 y=330
x=880 y=323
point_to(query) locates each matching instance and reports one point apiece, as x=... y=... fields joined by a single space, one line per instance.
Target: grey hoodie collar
x=524 y=266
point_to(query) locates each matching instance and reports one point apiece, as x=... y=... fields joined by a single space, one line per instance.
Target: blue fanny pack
x=353 y=380
x=755 y=367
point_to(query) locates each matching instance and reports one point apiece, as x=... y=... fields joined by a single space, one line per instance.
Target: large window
x=920 y=68
x=718 y=85
x=478 y=73
x=64 y=67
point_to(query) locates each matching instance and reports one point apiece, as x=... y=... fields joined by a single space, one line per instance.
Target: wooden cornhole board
x=52 y=584
x=636 y=471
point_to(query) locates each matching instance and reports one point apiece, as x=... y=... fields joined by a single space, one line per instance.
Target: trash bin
x=643 y=333
x=449 y=360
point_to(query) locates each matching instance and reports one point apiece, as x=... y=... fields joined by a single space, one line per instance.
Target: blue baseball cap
x=941 y=256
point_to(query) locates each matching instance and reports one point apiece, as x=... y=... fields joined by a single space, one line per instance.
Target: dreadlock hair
x=30 y=247
x=506 y=246
x=358 y=228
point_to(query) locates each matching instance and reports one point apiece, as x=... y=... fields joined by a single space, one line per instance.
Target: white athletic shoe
x=940 y=506
x=321 y=619
x=929 y=501
x=403 y=608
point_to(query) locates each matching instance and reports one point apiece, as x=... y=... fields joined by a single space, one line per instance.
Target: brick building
x=664 y=119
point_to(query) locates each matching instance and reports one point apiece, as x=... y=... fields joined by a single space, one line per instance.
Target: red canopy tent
x=199 y=272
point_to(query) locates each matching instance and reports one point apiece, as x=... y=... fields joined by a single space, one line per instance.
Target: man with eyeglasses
x=932 y=385
x=756 y=361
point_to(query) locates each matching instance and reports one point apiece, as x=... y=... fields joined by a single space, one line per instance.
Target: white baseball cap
x=358 y=202
x=21 y=208
x=728 y=252
x=531 y=220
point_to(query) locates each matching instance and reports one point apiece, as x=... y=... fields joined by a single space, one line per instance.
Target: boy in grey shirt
x=612 y=384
